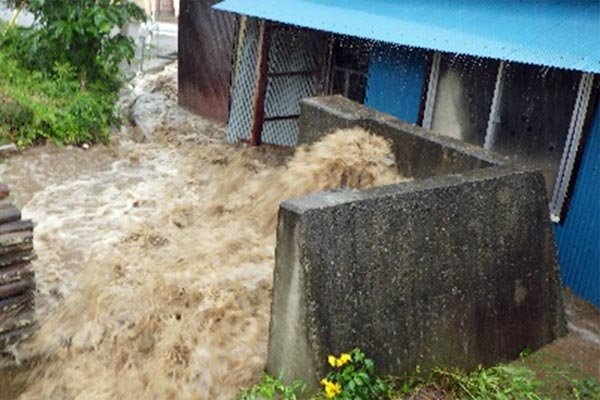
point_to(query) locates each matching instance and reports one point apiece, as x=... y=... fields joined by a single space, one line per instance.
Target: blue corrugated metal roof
x=564 y=34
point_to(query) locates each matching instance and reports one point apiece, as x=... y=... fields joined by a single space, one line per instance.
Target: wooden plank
x=12 y=337
x=16 y=248
x=16 y=320
x=9 y=238
x=21 y=302
x=9 y=214
x=17 y=257
x=4 y=191
x=16 y=288
x=262 y=69
x=16 y=273
x=16 y=226
x=14 y=242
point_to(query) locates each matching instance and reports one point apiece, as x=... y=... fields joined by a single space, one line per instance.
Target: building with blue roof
x=517 y=77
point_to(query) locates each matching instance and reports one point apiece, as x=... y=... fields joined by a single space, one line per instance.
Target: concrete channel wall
x=419 y=153
x=456 y=268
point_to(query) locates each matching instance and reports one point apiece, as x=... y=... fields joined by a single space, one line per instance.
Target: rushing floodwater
x=155 y=259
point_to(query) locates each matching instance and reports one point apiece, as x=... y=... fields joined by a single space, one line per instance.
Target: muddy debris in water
x=155 y=265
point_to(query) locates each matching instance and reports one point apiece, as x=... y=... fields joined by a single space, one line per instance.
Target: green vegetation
x=81 y=33
x=353 y=378
x=34 y=108
x=499 y=382
x=586 y=389
x=59 y=79
x=273 y=388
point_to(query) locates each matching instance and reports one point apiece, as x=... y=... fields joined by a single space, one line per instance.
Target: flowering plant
x=353 y=377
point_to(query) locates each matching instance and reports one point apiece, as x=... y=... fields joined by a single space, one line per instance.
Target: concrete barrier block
x=449 y=270
x=419 y=153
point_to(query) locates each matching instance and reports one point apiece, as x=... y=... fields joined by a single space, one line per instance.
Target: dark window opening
x=349 y=67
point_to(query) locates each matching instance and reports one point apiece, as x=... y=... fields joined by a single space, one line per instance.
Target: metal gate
x=205 y=54
x=276 y=66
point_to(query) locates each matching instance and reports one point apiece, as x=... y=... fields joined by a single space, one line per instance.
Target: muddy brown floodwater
x=155 y=256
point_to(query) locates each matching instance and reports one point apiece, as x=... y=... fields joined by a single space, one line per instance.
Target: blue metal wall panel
x=578 y=238
x=557 y=33
x=396 y=79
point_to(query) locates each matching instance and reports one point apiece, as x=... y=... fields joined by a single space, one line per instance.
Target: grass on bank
x=513 y=381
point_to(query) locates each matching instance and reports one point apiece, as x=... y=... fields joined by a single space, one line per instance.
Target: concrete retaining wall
x=455 y=269
x=419 y=153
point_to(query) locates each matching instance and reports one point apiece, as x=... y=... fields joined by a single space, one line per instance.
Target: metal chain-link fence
x=294 y=58
x=244 y=75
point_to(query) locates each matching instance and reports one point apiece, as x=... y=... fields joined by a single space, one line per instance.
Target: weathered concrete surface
x=457 y=270
x=419 y=153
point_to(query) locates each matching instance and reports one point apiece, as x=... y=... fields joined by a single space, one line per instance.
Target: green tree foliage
x=82 y=33
x=34 y=109
x=59 y=79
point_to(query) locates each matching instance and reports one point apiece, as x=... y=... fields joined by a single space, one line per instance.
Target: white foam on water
x=155 y=271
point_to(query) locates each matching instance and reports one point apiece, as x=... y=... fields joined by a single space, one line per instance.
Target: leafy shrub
x=271 y=388
x=14 y=117
x=588 y=389
x=81 y=33
x=59 y=79
x=35 y=107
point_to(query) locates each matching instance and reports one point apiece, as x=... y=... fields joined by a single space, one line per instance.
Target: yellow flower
x=332 y=361
x=332 y=389
x=344 y=358
x=339 y=362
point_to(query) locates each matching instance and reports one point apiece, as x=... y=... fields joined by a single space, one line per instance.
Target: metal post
x=567 y=163
x=327 y=66
x=494 y=117
x=262 y=68
x=432 y=90
x=346 y=83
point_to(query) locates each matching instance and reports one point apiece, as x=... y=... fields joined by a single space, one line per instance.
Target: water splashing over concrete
x=155 y=258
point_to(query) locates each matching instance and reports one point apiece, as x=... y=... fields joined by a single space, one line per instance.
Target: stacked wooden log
x=17 y=280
